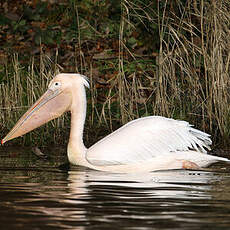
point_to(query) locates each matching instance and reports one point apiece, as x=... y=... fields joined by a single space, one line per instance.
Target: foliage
x=143 y=58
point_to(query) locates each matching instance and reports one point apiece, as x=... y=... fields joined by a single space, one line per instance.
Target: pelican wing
x=145 y=138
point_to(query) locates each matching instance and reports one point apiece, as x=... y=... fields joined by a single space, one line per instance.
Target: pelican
x=142 y=145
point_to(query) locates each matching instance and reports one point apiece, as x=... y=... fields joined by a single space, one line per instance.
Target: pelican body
x=142 y=145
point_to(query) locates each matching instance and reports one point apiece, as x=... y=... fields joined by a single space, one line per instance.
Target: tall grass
x=191 y=79
x=194 y=64
x=20 y=88
x=188 y=78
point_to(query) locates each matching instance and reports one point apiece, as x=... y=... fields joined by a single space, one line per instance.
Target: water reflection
x=154 y=183
x=45 y=197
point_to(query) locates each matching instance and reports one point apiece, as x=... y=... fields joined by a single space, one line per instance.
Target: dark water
x=36 y=194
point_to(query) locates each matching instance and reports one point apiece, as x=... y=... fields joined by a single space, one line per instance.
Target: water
x=36 y=194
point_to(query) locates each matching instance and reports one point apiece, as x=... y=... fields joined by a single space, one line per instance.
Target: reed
x=194 y=65
x=187 y=79
x=20 y=88
x=191 y=77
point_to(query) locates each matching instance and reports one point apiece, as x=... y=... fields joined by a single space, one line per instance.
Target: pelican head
x=52 y=104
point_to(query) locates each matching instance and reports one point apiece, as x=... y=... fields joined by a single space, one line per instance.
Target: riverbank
x=141 y=59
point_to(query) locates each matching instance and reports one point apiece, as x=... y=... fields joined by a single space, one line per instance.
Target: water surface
x=37 y=194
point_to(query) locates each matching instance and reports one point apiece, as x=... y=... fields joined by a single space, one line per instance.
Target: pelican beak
x=52 y=104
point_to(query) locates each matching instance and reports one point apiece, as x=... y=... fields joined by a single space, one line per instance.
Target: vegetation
x=146 y=57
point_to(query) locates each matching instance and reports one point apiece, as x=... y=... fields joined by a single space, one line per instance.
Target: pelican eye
x=56 y=85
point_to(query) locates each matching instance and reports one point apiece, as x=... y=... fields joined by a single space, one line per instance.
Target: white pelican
x=142 y=145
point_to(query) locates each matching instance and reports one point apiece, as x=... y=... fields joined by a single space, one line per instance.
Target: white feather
x=147 y=138
x=85 y=80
